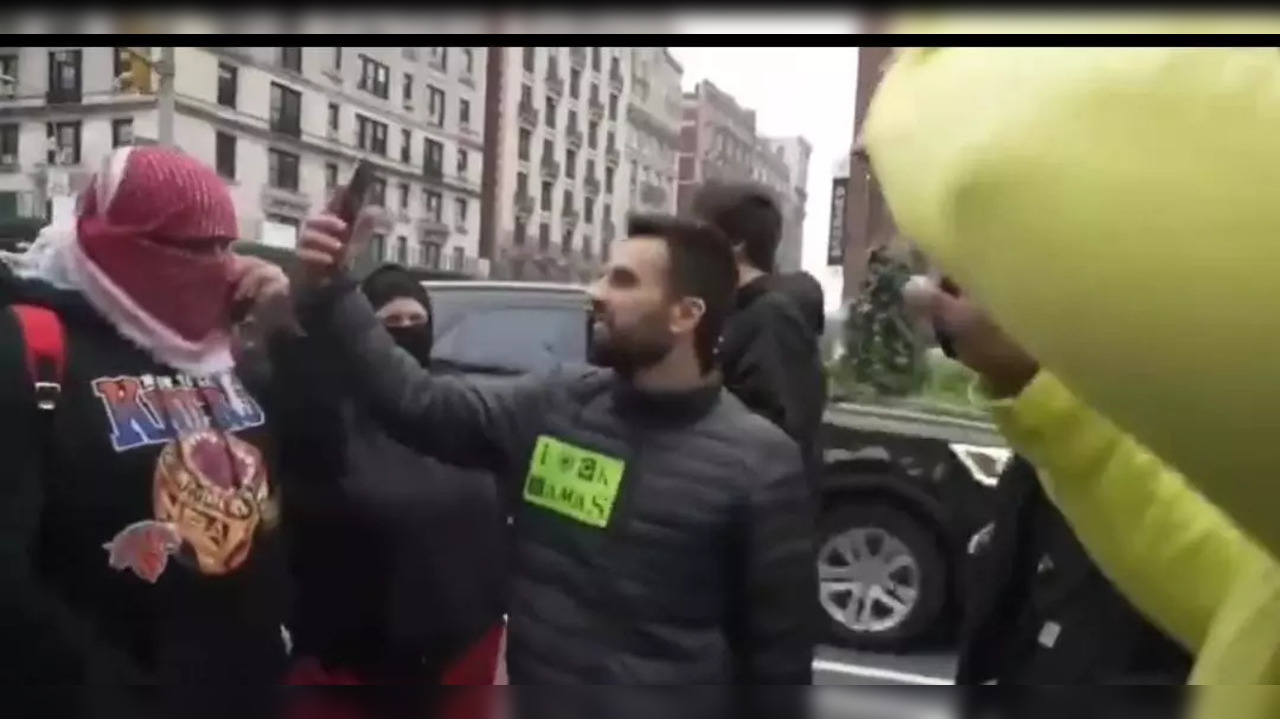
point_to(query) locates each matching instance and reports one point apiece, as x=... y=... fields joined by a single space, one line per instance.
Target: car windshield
x=508 y=337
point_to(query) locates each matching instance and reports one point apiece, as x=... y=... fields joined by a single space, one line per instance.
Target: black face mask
x=414 y=339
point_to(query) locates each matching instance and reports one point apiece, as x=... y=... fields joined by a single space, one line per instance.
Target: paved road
x=853 y=685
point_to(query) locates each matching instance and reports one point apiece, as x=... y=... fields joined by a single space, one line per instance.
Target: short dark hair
x=745 y=211
x=702 y=266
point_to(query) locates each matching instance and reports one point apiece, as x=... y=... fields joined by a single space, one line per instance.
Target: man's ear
x=689 y=313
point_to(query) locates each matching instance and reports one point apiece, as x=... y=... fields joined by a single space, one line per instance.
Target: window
x=406 y=146
x=402 y=250
x=464 y=112
x=459 y=258
x=548 y=150
x=518 y=234
x=424 y=253
x=545 y=200
x=591 y=168
x=431 y=255
x=613 y=106
x=9 y=144
x=330 y=176
x=286 y=110
x=516 y=339
x=530 y=59
x=378 y=192
x=378 y=247
x=526 y=95
x=432 y=156
x=568 y=201
x=374 y=77
x=290 y=58
x=337 y=58
x=570 y=164
x=460 y=207
x=282 y=169
x=609 y=143
x=575 y=83
x=566 y=239
x=522 y=181
x=402 y=190
x=122 y=132
x=468 y=61
x=464 y=159
x=9 y=68
x=608 y=179
x=65 y=137
x=593 y=134
x=588 y=209
x=224 y=152
x=65 y=79
x=433 y=203
x=435 y=105
x=595 y=93
x=551 y=112
x=406 y=89
x=371 y=135
x=228 y=84
x=334 y=114
x=439 y=57
x=595 y=59
x=571 y=121
x=524 y=140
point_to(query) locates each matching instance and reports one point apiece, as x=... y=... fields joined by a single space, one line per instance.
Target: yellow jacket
x=1172 y=553
x=1117 y=209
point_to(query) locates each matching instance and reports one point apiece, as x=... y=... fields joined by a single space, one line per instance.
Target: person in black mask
x=399 y=559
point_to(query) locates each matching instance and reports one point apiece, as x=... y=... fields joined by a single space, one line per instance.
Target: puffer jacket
x=660 y=539
x=1177 y=557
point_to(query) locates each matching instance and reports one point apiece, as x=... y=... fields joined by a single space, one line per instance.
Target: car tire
x=878 y=520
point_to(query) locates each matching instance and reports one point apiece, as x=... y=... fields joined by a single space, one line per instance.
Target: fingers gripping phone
x=945 y=342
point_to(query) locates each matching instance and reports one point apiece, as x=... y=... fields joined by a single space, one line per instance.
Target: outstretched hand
x=978 y=341
x=327 y=243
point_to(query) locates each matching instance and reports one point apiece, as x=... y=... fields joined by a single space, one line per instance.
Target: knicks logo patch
x=144 y=548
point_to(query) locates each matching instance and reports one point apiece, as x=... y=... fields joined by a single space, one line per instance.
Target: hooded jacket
x=139 y=548
x=771 y=356
x=1174 y=555
x=660 y=538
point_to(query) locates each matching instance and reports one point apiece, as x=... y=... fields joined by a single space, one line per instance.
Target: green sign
x=575 y=482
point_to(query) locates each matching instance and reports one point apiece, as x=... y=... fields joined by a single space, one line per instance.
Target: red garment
x=156 y=222
x=476 y=668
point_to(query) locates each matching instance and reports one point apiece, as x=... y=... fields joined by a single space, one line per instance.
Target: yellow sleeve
x=1115 y=209
x=1171 y=552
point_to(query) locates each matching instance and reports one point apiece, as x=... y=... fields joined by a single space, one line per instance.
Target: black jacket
x=398 y=559
x=659 y=539
x=132 y=576
x=772 y=361
x=1031 y=572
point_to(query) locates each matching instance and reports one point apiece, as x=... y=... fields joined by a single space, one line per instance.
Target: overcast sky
x=805 y=91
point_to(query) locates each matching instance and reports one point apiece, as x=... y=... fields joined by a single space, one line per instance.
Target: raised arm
x=447 y=417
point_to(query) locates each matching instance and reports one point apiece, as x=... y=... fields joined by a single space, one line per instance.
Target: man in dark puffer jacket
x=663 y=531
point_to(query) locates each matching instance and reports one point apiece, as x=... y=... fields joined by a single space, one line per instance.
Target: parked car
x=903 y=492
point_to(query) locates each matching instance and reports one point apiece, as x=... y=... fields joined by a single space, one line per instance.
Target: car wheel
x=882 y=577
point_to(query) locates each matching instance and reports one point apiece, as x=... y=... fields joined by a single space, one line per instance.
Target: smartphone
x=356 y=193
x=945 y=343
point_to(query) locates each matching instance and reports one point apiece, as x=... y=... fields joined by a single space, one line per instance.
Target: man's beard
x=626 y=355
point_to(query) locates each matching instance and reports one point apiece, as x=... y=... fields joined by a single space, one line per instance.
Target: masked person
x=663 y=532
x=771 y=350
x=399 y=559
x=139 y=557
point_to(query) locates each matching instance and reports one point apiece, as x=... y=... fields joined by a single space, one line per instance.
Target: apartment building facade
x=794 y=153
x=562 y=174
x=653 y=117
x=282 y=125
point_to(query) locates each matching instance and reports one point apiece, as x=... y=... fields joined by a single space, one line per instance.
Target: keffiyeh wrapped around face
x=1117 y=209
x=148 y=249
